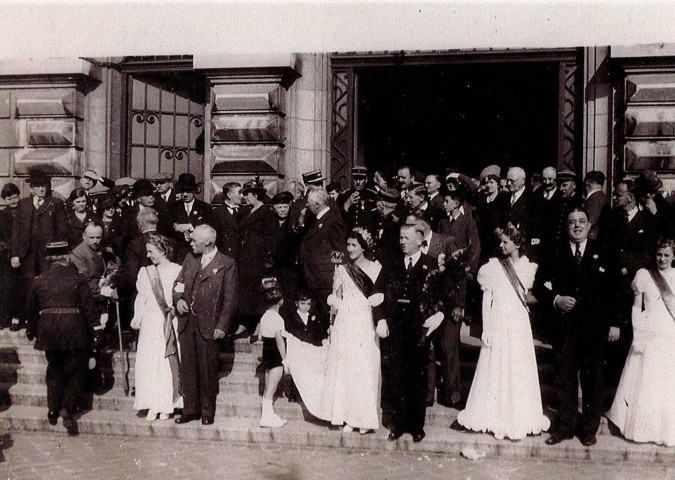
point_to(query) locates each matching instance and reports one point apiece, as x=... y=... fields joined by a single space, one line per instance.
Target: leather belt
x=61 y=310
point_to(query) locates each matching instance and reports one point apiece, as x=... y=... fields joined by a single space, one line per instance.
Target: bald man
x=205 y=297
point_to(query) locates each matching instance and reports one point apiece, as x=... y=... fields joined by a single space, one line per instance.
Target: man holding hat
x=358 y=203
x=298 y=213
x=648 y=186
x=62 y=315
x=40 y=219
x=187 y=213
x=88 y=181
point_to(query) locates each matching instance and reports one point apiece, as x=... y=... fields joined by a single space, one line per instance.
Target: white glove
x=382 y=329
x=103 y=320
x=376 y=299
x=433 y=322
x=135 y=323
x=486 y=338
x=106 y=291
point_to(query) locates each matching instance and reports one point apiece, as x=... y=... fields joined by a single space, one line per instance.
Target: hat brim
x=189 y=189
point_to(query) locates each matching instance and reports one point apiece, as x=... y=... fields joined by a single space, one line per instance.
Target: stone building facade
x=232 y=117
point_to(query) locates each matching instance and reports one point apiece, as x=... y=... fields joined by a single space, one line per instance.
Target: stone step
x=306 y=434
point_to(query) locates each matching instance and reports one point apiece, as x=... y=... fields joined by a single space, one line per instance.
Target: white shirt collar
x=432 y=195
x=415 y=257
x=549 y=195
x=188 y=206
x=304 y=316
x=631 y=213
x=517 y=194
x=322 y=212
x=207 y=257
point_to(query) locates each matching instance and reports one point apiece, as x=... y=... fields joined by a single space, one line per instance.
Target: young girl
x=274 y=353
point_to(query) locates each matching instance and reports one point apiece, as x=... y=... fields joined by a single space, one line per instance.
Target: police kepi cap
x=57 y=248
x=359 y=172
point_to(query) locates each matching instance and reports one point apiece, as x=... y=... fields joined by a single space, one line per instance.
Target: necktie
x=624 y=214
x=577 y=254
x=39 y=202
x=410 y=265
x=513 y=199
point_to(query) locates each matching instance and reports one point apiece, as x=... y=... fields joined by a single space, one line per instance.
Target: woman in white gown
x=352 y=387
x=156 y=369
x=644 y=405
x=505 y=397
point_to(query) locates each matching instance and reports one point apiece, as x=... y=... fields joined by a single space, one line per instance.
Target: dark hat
x=282 y=198
x=57 y=248
x=389 y=195
x=648 y=181
x=315 y=176
x=38 y=177
x=187 y=183
x=333 y=187
x=359 y=172
x=162 y=177
x=108 y=202
x=490 y=170
x=253 y=186
x=566 y=176
x=143 y=187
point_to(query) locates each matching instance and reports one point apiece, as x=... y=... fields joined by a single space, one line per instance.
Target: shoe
x=394 y=435
x=151 y=416
x=207 y=420
x=365 y=431
x=70 y=423
x=556 y=438
x=53 y=417
x=164 y=416
x=458 y=427
x=588 y=440
x=271 y=421
x=347 y=429
x=14 y=327
x=418 y=437
x=185 y=419
x=241 y=332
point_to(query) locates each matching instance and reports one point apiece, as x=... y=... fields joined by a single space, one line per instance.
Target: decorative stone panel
x=5 y=104
x=44 y=102
x=265 y=128
x=50 y=133
x=53 y=161
x=10 y=134
x=256 y=97
x=246 y=159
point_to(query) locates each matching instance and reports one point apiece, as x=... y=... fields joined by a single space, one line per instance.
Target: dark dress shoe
x=458 y=427
x=185 y=419
x=70 y=424
x=556 y=438
x=15 y=327
x=207 y=420
x=394 y=435
x=418 y=437
x=588 y=440
x=53 y=417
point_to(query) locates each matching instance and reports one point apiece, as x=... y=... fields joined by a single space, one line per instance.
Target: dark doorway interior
x=467 y=116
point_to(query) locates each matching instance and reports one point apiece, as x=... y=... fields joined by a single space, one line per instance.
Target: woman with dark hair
x=352 y=388
x=644 y=405
x=156 y=370
x=257 y=248
x=77 y=217
x=9 y=278
x=505 y=398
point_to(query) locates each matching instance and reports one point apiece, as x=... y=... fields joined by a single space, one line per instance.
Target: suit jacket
x=90 y=264
x=324 y=236
x=34 y=229
x=596 y=205
x=454 y=278
x=488 y=217
x=634 y=242
x=162 y=205
x=437 y=202
x=210 y=292
x=200 y=213
x=593 y=285
x=313 y=333
x=525 y=213
x=441 y=243
x=61 y=286
x=465 y=233
x=6 y=224
x=134 y=257
x=227 y=229
x=75 y=227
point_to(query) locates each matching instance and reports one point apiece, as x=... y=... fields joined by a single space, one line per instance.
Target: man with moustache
x=358 y=202
x=187 y=213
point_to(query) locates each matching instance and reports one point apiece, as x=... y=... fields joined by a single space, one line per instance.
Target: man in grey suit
x=205 y=297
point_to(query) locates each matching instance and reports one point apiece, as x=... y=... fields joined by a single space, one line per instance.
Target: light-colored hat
x=490 y=170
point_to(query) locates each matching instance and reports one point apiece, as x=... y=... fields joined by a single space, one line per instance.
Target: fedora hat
x=648 y=181
x=566 y=176
x=187 y=183
x=143 y=187
x=389 y=195
x=253 y=186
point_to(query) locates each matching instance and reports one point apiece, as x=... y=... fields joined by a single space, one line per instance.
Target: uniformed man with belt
x=62 y=316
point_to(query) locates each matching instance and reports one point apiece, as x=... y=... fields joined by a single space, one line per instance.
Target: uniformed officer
x=62 y=316
x=357 y=203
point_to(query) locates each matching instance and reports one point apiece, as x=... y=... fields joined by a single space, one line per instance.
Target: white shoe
x=271 y=421
x=163 y=416
x=347 y=429
x=151 y=416
x=363 y=431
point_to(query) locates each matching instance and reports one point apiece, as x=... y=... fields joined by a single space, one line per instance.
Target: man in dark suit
x=595 y=202
x=326 y=234
x=522 y=210
x=357 y=203
x=633 y=237
x=187 y=213
x=462 y=228
x=61 y=315
x=205 y=296
x=39 y=219
x=577 y=284
x=165 y=195
x=10 y=281
x=433 y=185
x=385 y=227
x=404 y=325
x=226 y=220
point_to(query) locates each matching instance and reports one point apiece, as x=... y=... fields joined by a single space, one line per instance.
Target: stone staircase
x=23 y=406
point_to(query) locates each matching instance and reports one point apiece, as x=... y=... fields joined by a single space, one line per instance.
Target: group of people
x=360 y=294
